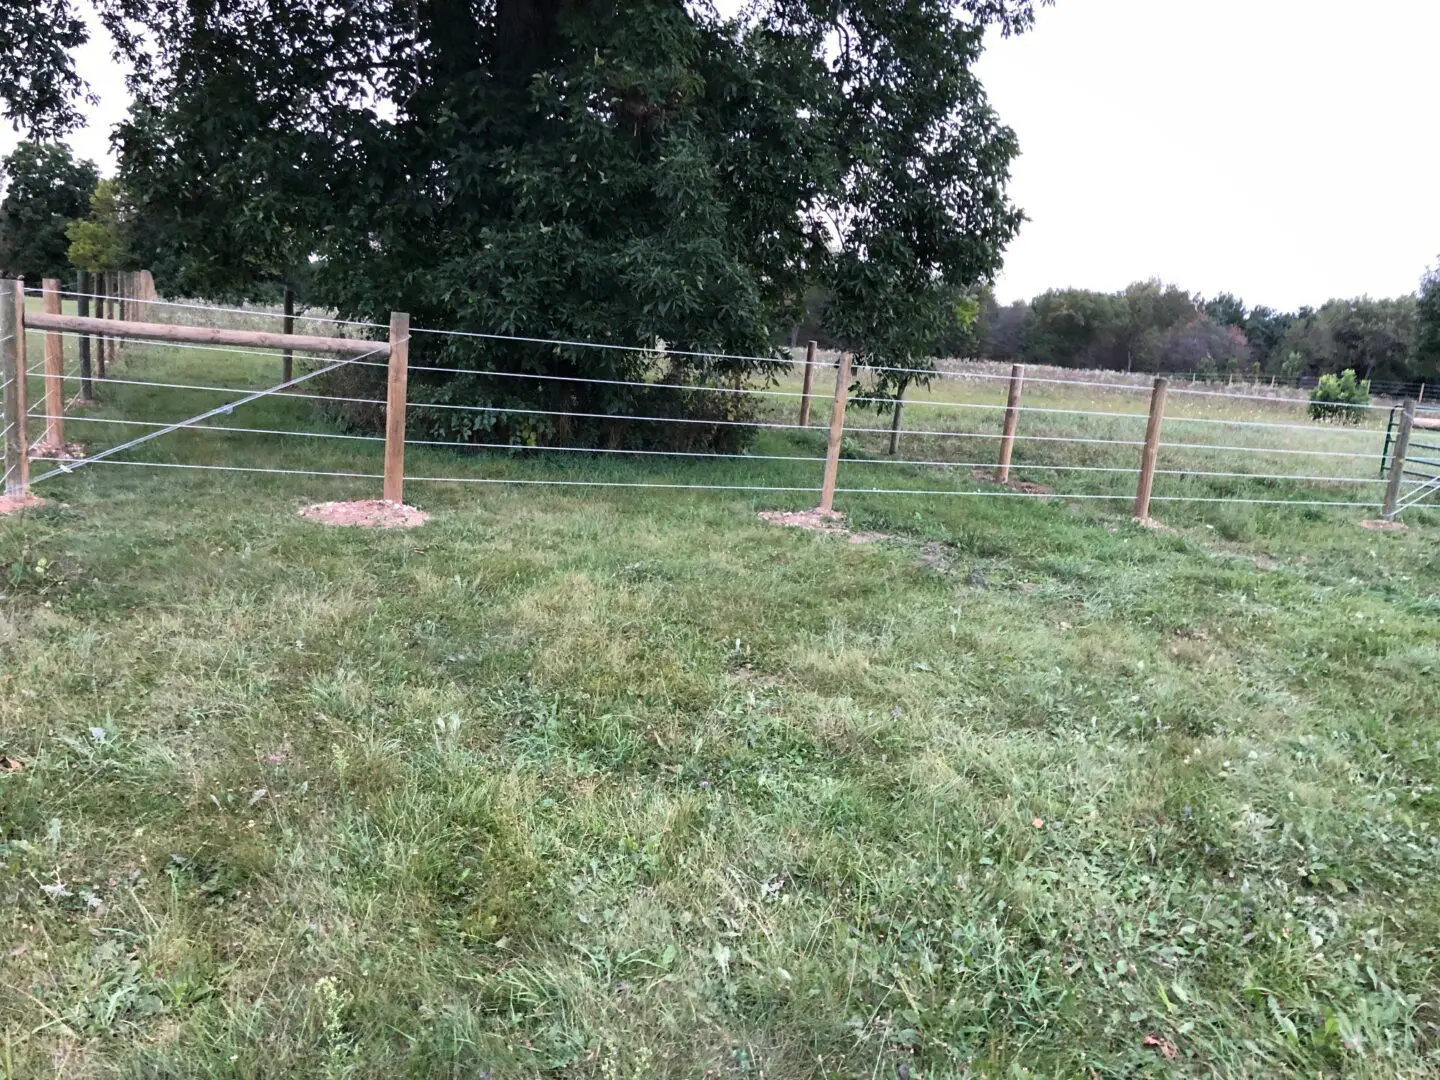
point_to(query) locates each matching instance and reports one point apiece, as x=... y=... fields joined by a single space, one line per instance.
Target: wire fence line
x=456 y=444
x=572 y=414
x=862 y=400
x=550 y=482
x=1083 y=430
x=743 y=391
x=660 y=349
x=219 y=410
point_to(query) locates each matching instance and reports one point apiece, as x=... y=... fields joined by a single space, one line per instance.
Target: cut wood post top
x=209 y=335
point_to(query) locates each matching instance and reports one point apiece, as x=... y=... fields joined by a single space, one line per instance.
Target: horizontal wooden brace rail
x=204 y=335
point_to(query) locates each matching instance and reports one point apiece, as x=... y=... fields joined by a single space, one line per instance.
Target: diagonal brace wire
x=1419 y=493
x=219 y=410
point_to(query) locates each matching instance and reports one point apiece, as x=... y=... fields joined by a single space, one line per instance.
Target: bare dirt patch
x=366 y=513
x=10 y=504
x=937 y=556
x=747 y=674
x=70 y=451
x=831 y=523
x=1151 y=523
x=1383 y=526
x=988 y=476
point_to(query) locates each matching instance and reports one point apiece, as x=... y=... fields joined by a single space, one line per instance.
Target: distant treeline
x=1154 y=327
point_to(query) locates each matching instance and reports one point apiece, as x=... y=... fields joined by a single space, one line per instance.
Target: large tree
x=1426 y=348
x=646 y=172
x=104 y=239
x=1374 y=336
x=40 y=89
x=44 y=188
x=1076 y=328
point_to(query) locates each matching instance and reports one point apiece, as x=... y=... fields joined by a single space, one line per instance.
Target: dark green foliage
x=1264 y=328
x=1426 y=348
x=1155 y=327
x=1338 y=398
x=1227 y=309
x=1373 y=336
x=39 y=87
x=44 y=189
x=1072 y=328
x=1126 y=330
x=630 y=173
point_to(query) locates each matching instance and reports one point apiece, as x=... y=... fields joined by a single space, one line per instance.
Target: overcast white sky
x=1284 y=150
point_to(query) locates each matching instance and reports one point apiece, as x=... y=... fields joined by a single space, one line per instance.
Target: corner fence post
x=837 y=432
x=1151 y=451
x=54 y=371
x=1012 y=420
x=12 y=375
x=1397 y=460
x=395 y=407
x=805 y=388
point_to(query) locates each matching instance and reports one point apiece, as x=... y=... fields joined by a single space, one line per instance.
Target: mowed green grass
x=612 y=782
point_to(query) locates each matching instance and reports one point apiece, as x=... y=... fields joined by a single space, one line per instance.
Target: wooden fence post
x=105 y=309
x=395 y=407
x=805 y=387
x=1397 y=460
x=112 y=305
x=1012 y=420
x=1421 y=399
x=54 y=371
x=12 y=375
x=837 y=432
x=287 y=364
x=127 y=307
x=82 y=308
x=1152 y=450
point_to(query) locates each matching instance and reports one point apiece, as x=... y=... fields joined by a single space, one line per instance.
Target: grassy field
x=626 y=783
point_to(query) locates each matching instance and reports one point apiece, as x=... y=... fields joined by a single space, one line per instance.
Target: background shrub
x=1340 y=398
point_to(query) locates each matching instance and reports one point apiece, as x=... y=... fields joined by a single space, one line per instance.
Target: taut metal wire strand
x=219 y=410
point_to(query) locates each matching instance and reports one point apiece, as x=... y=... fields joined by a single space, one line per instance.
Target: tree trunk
x=897 y=413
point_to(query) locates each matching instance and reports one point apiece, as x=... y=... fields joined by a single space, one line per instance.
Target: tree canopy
x=649 y=172
x=1427 y=326
x=1151 y=326
x=40 y=89
x=103 y=239
x=43 y=189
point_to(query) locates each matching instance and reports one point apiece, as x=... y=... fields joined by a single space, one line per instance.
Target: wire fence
x=771 y=428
